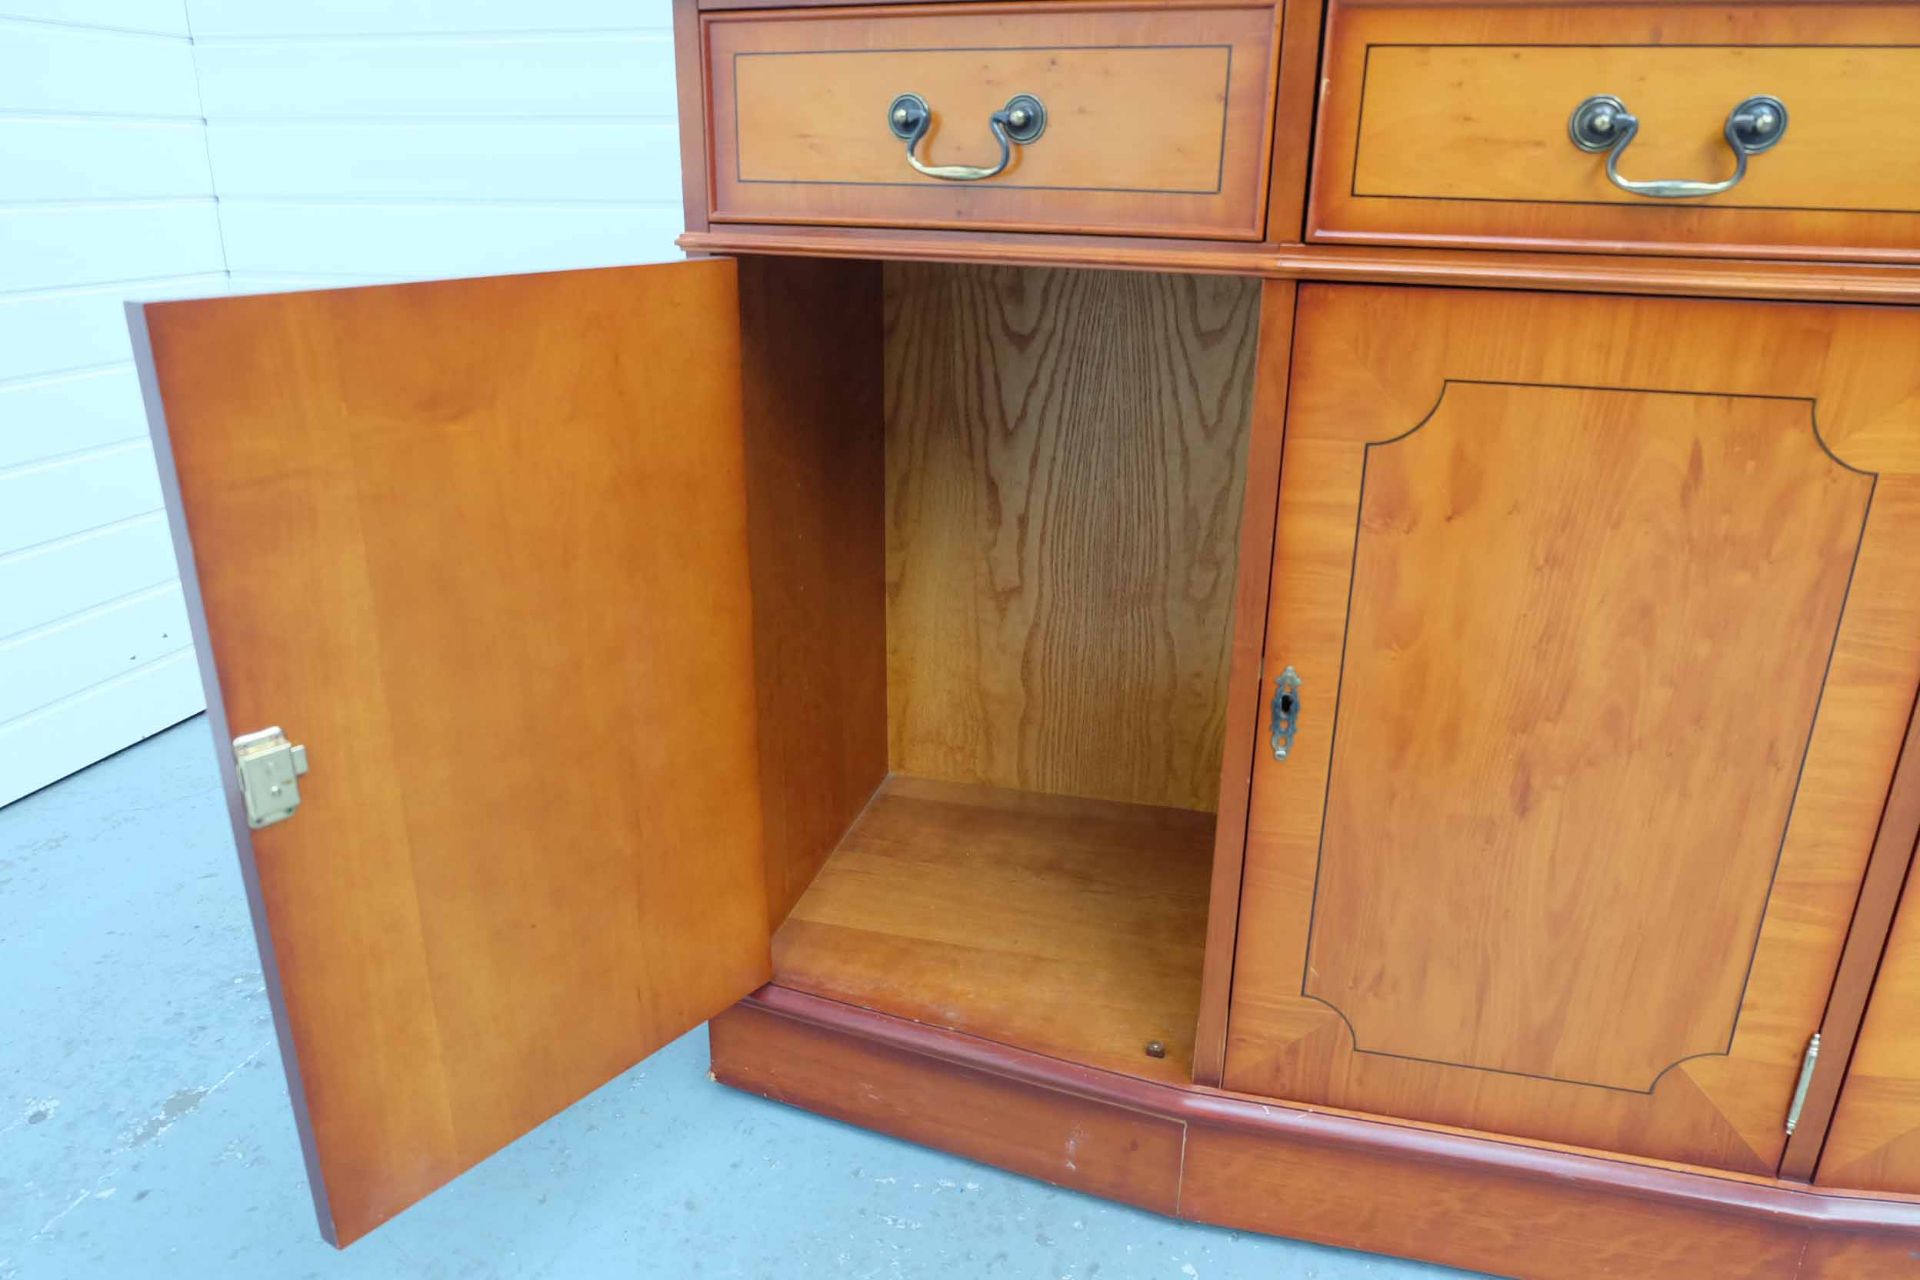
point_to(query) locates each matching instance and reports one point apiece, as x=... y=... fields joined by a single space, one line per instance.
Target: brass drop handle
x=1286 y=712
x=1603 y=123
x=1022 y=120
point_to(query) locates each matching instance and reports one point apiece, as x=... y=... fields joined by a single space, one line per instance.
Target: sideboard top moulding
x=1493 y=269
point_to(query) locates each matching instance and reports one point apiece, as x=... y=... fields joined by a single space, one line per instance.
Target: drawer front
x=1156 y=121
x=1450 y=125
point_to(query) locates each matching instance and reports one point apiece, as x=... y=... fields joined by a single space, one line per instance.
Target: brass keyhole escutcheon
x=1286 y=712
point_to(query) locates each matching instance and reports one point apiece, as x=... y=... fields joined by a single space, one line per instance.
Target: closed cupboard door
x=1602 y=617
x=480 y=548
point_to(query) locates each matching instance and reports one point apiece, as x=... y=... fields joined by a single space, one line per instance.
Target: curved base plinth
x=1439 y=1195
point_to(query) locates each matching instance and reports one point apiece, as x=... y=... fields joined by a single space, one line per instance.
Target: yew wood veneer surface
x=1853 y=984
x=1066 y=453
x=1857 y=282
x=481 y=546
x=810 y=341
x=1447 y=124
x=1069 y=927
x=1245 y=729
x=1469 y=1200
x=1056 y=1136
x=1874 y=1141
x=1605 y=614
x=1875 y=1138
x=1158 y=116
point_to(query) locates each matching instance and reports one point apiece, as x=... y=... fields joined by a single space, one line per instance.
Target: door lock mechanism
x=1286 y=712
x=269 y=767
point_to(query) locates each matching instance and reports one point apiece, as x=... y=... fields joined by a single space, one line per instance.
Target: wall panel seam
x=158 y=586
x=42 y=292
x=49 y=461
x=476 y=36
x=32 y=549
x=206 y=142
x=89 y=28
x=52 y=377
x=92 y=690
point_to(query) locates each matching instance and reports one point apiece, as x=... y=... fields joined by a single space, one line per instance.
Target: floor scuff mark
x=38 y=1111
x=182 y=1103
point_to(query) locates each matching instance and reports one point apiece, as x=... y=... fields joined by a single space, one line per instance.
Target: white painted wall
x=105 y=193
x=169 y=148
x=410 y=138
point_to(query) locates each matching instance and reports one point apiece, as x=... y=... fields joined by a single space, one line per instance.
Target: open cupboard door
x=478 y=547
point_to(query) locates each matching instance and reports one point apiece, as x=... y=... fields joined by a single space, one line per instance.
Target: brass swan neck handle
x=1603 y=123
x=1021 y=121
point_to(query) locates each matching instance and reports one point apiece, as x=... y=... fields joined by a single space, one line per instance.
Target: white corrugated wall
x=166 y=148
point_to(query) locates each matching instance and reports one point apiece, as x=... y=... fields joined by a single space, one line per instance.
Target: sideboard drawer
x=1455 y=125
x=1150 y=121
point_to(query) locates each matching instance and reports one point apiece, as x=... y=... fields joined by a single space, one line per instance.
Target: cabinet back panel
x=1065 y=457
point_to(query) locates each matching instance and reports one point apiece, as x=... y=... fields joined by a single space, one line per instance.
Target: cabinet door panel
x=480 y=546
x=1602 y=611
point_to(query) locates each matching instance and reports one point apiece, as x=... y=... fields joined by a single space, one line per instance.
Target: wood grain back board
x=1065 y=452
x=481 y=546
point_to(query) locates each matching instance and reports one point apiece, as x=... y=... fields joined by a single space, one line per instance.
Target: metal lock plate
x=1286 y=712
x=268 y=766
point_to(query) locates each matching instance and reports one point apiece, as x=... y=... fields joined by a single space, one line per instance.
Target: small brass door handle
x=1603 y=123
x=1022 y=120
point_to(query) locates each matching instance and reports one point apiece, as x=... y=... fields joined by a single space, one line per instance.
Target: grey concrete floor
x=145 y=1129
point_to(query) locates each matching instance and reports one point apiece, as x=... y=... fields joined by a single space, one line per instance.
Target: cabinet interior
x=995 y=517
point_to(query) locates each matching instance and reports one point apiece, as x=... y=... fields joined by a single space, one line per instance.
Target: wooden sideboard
x=1305 y=616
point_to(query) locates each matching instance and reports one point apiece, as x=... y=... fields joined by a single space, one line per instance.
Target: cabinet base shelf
x=1334 y=1178
x=1072 y=927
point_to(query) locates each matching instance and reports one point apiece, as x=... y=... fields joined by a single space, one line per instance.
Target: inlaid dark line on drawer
x=1360 y=136
x=1226 y=88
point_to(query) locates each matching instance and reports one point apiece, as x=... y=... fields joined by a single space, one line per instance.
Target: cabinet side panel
x=689 y=70
x=810 y=372
x=1244 y=713
x=1066 y=452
